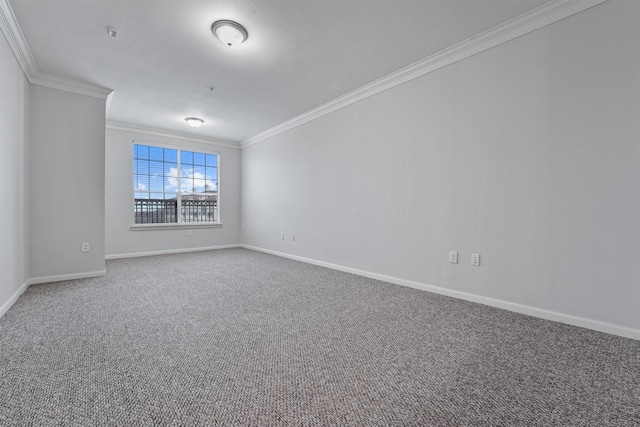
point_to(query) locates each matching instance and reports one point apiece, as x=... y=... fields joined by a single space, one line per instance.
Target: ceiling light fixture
x=194 y=122
x=229 y=33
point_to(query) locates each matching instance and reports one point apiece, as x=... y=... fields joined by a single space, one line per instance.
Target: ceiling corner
x=12 y=32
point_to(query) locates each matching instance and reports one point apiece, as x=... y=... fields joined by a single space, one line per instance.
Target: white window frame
x=179 y=224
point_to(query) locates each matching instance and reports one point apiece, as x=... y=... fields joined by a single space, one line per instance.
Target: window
x=174 y=186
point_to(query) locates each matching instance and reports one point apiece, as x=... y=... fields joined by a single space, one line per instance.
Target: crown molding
x=15 y=38
x=13 y=34
x=69 y=85
x=539 y=17
x=129 y=127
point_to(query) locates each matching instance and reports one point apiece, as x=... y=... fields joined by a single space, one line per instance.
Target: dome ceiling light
x=230 y=33
x=194 y=122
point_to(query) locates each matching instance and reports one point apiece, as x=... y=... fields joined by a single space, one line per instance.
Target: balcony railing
x=199 y=210
x=165 y=211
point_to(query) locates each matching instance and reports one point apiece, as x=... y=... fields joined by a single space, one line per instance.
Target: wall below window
x=527 y=153
x=14 y=211
x=121 y=241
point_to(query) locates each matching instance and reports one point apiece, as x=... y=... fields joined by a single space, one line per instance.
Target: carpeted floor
x=236 y=337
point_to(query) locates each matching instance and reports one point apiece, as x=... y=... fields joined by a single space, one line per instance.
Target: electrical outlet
x=189 y=233
x=281 y=236
x=293 y=238
x=475 y=259
x=453 y=257
x=85 y=247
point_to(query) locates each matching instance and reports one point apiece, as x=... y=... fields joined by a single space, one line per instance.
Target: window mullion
x=179 y=191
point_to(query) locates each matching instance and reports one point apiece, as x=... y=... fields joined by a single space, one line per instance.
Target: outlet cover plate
x=475 y=259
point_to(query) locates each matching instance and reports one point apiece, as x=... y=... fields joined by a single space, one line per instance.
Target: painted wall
x=121 y=241
x=527 y=153
x=66 y=190
x=14 y=142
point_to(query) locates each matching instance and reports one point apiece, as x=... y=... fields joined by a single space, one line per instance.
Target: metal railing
x=165 y=211
x=199 y=210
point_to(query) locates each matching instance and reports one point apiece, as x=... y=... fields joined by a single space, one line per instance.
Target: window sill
x=147 y=227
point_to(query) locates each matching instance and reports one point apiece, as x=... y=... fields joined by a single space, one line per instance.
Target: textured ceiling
x=299 y=55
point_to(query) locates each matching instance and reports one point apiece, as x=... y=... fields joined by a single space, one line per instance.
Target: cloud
x=141 y=187
x=189 y=179
x=173 y=177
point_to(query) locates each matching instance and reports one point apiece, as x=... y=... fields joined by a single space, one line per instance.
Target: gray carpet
x=236 y=337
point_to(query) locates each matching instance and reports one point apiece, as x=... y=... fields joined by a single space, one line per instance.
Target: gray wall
x=527 y=153
x=14 y=142
x=66 y=191
x=121 y=241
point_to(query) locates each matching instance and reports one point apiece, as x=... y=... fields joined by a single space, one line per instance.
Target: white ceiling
x=299 y=55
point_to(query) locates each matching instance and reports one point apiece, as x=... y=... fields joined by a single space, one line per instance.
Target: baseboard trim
x=13 y=298
x=45 y=279
x=64 y=277
x=582 y=322
x=169 y=251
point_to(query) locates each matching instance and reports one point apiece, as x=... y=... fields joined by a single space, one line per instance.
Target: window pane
x=156 y=168
x=156 y=153
x=211 y=173
x=198 y=172
x=170 y=155
x=141 y=151
x=143 y=167
x=186 y=157
x=140 y=182
x=155 y=211
x=171 y=169
x=198 y=159
x=156 y=183
x=198 y=185
x=187 y=185
x=212 y=160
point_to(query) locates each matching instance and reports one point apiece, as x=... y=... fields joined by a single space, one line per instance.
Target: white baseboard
x=45 y=279
x=63 y=277
x=13 y=298
x=169 y=251
x=582 y=322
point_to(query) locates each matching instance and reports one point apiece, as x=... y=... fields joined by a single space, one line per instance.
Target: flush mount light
x=194 y=122
x=229 y=33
